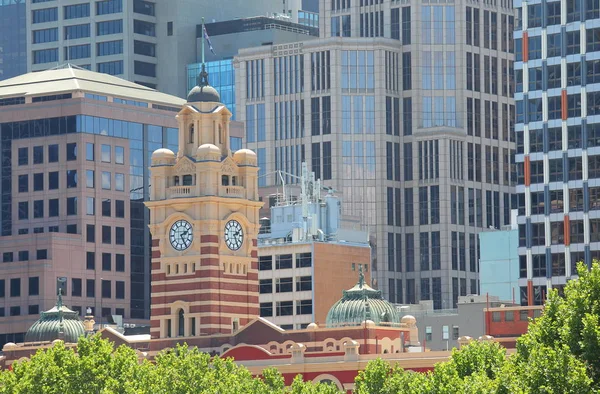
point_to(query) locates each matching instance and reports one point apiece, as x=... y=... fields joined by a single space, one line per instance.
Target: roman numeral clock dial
x=234 y=235
x=181 y=235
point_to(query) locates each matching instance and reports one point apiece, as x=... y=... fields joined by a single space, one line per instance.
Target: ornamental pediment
x=229 y=167
x=184 y=166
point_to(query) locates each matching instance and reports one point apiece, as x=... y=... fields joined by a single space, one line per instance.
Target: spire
x=361 y=276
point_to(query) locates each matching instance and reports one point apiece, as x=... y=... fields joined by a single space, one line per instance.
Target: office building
x=228 y=37
x=75 y=157
x=558 y=151
x=146 y=42
x=307 y=257
x=13 y=38
x=406 y=110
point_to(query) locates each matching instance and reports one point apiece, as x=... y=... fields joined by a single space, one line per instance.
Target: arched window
x=191 y=134
x=225 y=180
x=220 y=135
x=181 y=323
x=176 y=181
x=234 y=181
x=188 y=180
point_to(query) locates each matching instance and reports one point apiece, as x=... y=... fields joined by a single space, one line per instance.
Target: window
x=53 y=153
x=38 y=209
x=23 y=156
x=107 y=48
x=285 y=308
x=77 y=31
x=112 y=68
x=119 y=208
x=265 y=286
x=105 y=152
x=144 y=68
x=144 y=48
x=284 y=285
x=265 y=263
x=53 y=207
x=45 y=35
x=90 y=231
x=119 y=289
x=23 y=210
x=45 y=15
x=283 y=261
x=304 y=307
x=89 y=179
x=119 y=236
x=109 y=27
x=170 y=33
x=23 y=183
x=106 y=180
x=303 y=260
x=106 y=238
x=71 y=229
x=106 y=207
x=495 y=316
x=145 y=28
x=15 y=287
x=71 y=206
x=119 y=182
x=90 y=260
x=71 y=179
x=7 y=257
x=53 y=180
x=119 y=155
x=106 y=289
x=119 y=262
x=38 y=155
x=34 y=286
x=143 y=7
x=90 y=288
x=106 y=262
x=38 y=182
x=109 y=7
x=266 y=308
x=573 y=43
x=15 y=310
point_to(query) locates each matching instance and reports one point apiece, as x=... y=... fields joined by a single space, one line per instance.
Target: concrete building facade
x=408 y=114
x=74 y=157
x=557 y=146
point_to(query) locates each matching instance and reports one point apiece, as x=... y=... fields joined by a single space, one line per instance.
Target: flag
x=207 y=38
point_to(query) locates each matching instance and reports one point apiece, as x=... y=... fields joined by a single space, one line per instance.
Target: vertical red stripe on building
x=527 y=170
x=525 y=46
x=529 y=292
x=563 y=104
x=567 y=231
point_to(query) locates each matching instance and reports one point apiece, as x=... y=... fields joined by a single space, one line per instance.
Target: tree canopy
x=560 y=353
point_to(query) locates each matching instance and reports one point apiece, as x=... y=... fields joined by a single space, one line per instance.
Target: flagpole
x=203 y=38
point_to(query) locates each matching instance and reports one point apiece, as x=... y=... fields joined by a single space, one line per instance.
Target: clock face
x=181 y=235
x=234 y=235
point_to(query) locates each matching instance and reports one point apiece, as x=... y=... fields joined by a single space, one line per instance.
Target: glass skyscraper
x=13 y=38
x=558 y=141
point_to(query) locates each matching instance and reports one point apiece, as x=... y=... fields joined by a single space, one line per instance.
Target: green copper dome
x=57 y=323
x=359 y=304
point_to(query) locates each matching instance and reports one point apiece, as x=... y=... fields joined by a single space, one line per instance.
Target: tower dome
x=57 y=323
x=203 y=92
x=359 y=304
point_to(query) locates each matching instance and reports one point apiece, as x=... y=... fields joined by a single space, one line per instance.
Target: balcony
x=179 y=191
x=232 y=191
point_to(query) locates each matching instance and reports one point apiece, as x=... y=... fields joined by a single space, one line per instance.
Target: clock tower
x=204 y=223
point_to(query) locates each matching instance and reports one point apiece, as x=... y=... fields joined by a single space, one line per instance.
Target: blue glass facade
x=143 y=140
x=221 y=76
x=13 y=39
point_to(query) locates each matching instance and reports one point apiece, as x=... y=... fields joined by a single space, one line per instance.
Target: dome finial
x=361 y=276
x=59 y=302
x=202 y=79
